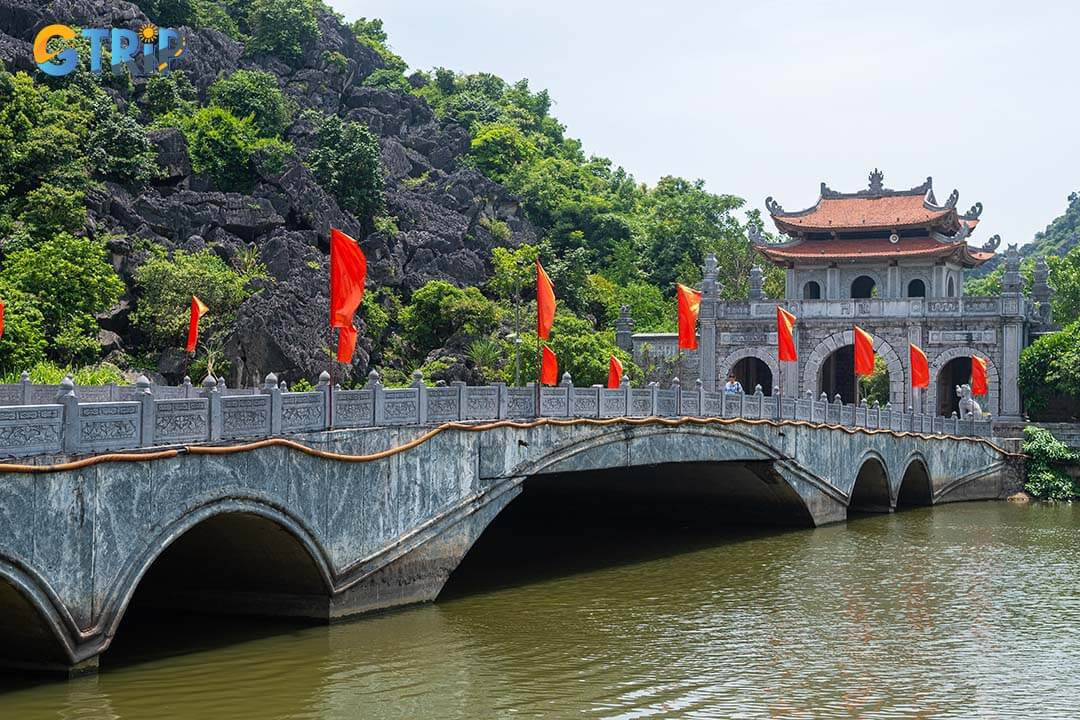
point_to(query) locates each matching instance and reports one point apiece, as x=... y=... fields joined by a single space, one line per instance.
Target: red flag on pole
x=689 y=306
x=864 y=352
x=549 y=367
x=978 y=375
x=198 y=309
x=614 y=373
x=785 y=340
x=920 y=368
x=545 y=303
x=348 y=270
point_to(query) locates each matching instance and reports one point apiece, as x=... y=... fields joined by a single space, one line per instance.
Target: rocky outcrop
x=438 y=204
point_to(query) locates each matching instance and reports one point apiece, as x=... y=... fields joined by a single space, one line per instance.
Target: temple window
x=916 y=288
x=811 y=291
x=952 y=287
x=862 y=287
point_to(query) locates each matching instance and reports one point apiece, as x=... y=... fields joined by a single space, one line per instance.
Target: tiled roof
x=847 y=249
x=864 y=213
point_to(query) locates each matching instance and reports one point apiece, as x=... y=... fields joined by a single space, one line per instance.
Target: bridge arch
x=824 y=349
x=258 y=548
x=732 y=359
x=35 y=629
x=871 y=490
x=937 y=366
x=916 y=487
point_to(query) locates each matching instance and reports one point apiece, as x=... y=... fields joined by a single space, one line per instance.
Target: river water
x=969 y=610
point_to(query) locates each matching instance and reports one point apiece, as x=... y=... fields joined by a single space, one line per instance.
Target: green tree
x=49 y=210
x=71 y=280
x=118 y=147
x=440 y=311
x=23 y=343
x=221 y=145
x=166 y=285
x=1050 y=374
x=581 y=351
x=513 y=271
x=497 y=148
x=1047 y=466
x=171 y=93
x=254 y=94
x=282 y=27
x=345 y=161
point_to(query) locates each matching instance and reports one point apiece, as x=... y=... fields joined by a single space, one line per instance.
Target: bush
x=23 y=343
x=50 y=210
x=498 y=148
x=223 y=147
x=254 y=94
x=1050 y=374
x=282 y=27
x=172 y=93
x=581 y=351
x=439 y=311
x=345 y=161
x=167 y=284
x=1047 y=478
x=49 y=373
x=71 y=280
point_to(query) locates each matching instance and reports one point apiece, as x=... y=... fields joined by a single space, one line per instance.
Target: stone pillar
x=270 y=387
x=914 y=336
x=832 y=283
x=189 y=391
x=893 y=287
x=1009 y=373
x=66 y=397
x=148 y=410
x=378 y=397
x=421 y=397
x=710 y=298
x=624 y=330
x=1040 y=290
x=756 y=281
x=27 y=388
x=328 y=399
x=212 y=392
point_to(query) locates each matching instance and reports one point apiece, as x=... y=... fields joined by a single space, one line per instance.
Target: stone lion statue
x=969 y=406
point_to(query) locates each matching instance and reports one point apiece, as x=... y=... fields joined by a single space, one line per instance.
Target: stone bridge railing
x=93 y=419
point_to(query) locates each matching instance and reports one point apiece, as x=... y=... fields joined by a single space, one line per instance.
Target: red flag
x=614 y=373
x=1 y=318
x=864 y=352
x=549 y=367
x=545 y=303
x=198 y=309
x=785 y=324
x=689 y=306
x=978 y=375
x=920 y=368
x=348 y=270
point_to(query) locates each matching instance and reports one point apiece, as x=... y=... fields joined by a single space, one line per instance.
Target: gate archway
x=898 y=374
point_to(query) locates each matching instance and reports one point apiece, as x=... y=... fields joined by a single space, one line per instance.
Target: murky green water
x=958 y=611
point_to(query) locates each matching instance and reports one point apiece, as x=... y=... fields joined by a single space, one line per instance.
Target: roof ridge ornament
x=974 y=212
x=992 y=244
x=773 y=207
x=877 y=180
x=930 y=199
x=954 y=196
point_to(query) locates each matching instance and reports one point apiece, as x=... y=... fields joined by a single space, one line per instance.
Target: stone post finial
x=567 y=380
x=1041 y=290
x=324 y=378
x=756 y=282
x=283 y=387
x=188 y=390
x=758 y=390
x=221 y=384
x=271 y=382
x=209 y=384
x=66 y=389
x=417 y=378
x=625 y=382
x=24 y=376
x=372 y=380
x=142 y=385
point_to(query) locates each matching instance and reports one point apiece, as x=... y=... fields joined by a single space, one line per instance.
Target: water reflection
x=959 y=611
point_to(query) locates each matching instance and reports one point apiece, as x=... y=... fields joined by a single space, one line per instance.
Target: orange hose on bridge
x=462 y=427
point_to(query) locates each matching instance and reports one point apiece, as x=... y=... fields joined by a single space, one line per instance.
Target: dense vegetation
x=1047 y=466
x=606 y=239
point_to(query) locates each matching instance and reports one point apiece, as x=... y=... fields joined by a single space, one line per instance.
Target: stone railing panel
x=521 y=402
x=689 y=403
x=303 y=411
x=43 y=394
x=641 y=401
x=31 y=430
x=108 y=426
x=98 y=393
x=10 y=394
x=401 y=406
x=481 y=403
x=178 y=421
x=712 y=404
x=353 y=408
x=667 y=403
x=245 y=416
x=586 y=402
x=613 y=402
x=443 y=404
x=554 y=401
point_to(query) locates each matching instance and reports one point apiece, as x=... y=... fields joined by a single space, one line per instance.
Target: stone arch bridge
x=332 y=523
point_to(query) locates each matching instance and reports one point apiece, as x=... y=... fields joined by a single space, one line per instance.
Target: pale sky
x=771 y=98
